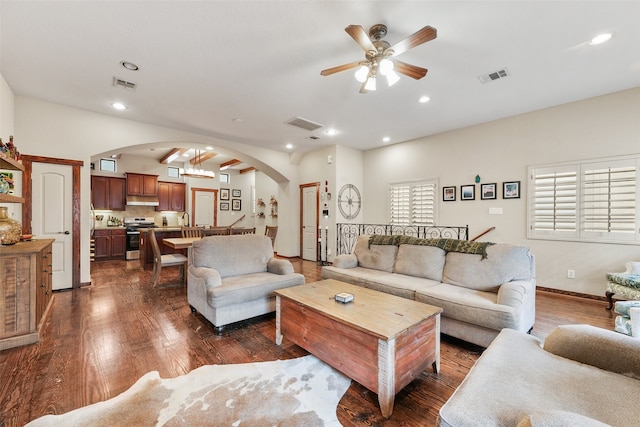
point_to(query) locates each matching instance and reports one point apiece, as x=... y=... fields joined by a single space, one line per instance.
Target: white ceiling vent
x=500 y=74
x=305 y=124
x=118 y=82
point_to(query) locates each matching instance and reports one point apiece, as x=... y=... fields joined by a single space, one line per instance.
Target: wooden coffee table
x=379 y=340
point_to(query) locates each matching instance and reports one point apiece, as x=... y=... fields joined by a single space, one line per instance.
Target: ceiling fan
x=380 y=56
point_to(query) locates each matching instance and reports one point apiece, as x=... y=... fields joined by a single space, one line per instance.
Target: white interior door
x=204 y=208
x=52 y=200
x=310 y=223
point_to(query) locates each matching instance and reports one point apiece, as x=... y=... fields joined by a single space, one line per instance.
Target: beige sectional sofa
x=579 y=377
x=232 y=278
x=480 y=294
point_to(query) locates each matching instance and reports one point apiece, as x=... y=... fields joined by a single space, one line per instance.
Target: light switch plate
x=495 y=211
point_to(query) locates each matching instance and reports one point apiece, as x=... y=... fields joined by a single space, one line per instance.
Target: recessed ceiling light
x=289 y=146
x=386 y=139
x=424 y=99
x=119 y=106
x=332 y=132
x=129 y=65
x=600 y=38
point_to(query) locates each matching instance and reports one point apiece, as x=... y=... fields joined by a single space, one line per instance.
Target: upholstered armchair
x=628 y=321
x=626 y=284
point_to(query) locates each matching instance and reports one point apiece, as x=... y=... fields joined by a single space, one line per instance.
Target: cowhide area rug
x=296 y=392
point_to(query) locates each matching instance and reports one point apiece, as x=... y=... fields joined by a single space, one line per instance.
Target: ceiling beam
x=229 y=163
x=201 y=157
x=172 y=155
x=247 y=170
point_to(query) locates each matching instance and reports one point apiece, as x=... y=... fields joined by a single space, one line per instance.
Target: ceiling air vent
x=486 y=78
x=314 y=137
x=118 y=82
x=305 y=124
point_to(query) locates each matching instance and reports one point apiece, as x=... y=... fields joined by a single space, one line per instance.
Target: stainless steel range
x=133 y=226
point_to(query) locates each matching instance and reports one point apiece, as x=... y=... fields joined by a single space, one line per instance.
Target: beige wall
x=52 y=130
x=6 y=110
x=498 y=151
x=501 y=151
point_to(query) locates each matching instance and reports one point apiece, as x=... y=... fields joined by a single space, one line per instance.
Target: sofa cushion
x=559 y=419
x=503 y=264
x=420 y=261
x=377 y=257
x=233 y=255
x=398 y=284
x=250 y=287
x=597 y=347
x=470 y=306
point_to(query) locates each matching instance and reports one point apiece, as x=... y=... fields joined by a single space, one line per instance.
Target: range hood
x=142 y=201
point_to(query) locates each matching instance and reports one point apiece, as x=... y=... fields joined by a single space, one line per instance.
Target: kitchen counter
x=159 y=229
x=109 y=227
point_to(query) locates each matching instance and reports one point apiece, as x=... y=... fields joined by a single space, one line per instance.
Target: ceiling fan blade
x=412 y=71
x=421 y=36
x=339 y=68
x=360 y=36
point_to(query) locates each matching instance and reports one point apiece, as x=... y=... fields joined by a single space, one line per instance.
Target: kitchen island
x=146 y=252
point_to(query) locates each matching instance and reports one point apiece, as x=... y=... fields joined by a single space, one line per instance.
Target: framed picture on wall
x=511 y=190
x=467 y=192
x=224 y=194
x=236 y=204
x=449 y=194
x=488 y=191
x=224 y=206
x=236 y=193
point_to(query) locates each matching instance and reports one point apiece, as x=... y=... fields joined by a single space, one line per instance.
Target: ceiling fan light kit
x=380 y=56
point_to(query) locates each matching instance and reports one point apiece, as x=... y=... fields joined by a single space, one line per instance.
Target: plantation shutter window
x=554 y=201
x=609 y=194
x=413 y=203
x=595 y=201
x=399 y=201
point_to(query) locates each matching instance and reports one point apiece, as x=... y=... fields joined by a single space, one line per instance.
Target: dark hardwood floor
x=98 y=340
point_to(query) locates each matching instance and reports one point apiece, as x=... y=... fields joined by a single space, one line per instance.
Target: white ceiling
x=205 y=63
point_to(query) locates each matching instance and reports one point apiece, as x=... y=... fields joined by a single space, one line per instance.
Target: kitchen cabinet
x=25 y=291
x=142 y=185
x=171 y=196
x=110 y=243
x=108 y=193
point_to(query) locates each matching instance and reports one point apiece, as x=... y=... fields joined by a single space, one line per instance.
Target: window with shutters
x=413 y=203
x=595 y=200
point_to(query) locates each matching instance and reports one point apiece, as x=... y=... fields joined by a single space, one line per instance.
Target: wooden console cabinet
x=25 y=291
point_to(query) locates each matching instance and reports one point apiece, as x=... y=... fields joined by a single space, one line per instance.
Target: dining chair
x=216 y=231
x=271 y=231
x=192 y=231
x=243 y=230
x=166 y=260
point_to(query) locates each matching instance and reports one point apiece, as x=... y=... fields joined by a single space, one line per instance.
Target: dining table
x=180 y=242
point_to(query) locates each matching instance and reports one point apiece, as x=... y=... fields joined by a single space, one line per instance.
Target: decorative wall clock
x=349 y=201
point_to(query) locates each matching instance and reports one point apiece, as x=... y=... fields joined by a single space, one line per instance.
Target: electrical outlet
x=571 y=274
